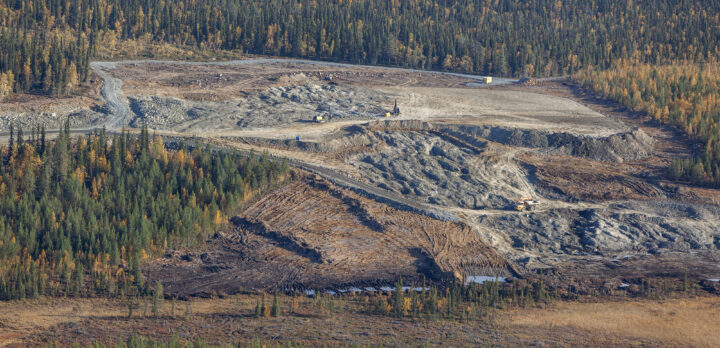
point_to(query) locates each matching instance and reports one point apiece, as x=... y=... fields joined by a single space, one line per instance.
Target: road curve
x=114 y=98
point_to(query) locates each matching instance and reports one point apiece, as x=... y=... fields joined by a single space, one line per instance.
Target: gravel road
x=112 y=92
x=496 y=81
x=121 y=112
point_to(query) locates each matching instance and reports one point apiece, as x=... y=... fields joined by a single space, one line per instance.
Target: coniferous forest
x=684 y=95
x=79 y=216
x=45 y=45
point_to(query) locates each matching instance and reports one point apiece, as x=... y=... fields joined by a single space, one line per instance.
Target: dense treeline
x=684 y=95
x=39 y=61
x=82 y=215
x=498 y=37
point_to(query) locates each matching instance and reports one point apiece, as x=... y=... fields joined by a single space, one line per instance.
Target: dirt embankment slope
x=312 y=234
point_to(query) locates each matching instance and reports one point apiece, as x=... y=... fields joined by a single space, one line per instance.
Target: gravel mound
x=270 y=107
x=79 y=118
x=619 y=147
x=437 y=171
x=631 y=227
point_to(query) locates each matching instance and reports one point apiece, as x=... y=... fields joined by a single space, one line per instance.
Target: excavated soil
x=472 y=166
x=461 y=154
x=457 y=153
x=629 y=226
x=258 y=109
x=226 y=81
x=84 y=109
x=600 y=195
x=313 y=235
x=436 y=171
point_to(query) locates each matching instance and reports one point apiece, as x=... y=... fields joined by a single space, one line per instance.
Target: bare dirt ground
x=223 y=82
x=27 y=110
x=431 y=192
x=689 y=322
x=310 y=234
x=521 y=109
x=271 y=96
x=456 y=152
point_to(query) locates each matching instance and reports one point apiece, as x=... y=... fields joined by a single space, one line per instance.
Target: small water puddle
x=370 y=289
x=483 y=279
x=311 y=292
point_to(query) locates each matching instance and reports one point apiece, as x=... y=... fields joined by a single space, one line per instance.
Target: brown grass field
x=678 y=322
x=689 y=322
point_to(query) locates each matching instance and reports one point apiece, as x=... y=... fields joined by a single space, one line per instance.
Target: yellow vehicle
x=526 y=203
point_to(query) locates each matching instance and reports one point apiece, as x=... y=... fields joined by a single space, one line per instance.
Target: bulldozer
x=526 y=203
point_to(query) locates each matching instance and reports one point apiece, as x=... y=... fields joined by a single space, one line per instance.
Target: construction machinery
x=322 y=118
x=395 y=111
x=526 y=203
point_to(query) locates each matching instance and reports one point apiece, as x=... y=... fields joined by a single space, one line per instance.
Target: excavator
x=395 y=111
x=525 y=203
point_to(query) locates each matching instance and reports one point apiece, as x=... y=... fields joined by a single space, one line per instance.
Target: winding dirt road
x=112 y=92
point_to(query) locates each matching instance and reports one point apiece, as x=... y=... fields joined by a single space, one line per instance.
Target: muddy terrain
x=598 y=198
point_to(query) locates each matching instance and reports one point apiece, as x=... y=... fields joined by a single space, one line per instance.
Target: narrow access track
x=112 y=92
x=337 y=177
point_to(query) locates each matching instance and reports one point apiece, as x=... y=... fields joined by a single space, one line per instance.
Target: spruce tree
x=275 y=305
x=399 y=300
x=158 y=299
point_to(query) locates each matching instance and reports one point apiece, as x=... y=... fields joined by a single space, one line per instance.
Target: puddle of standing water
x=483 y=279
x=312 y=292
